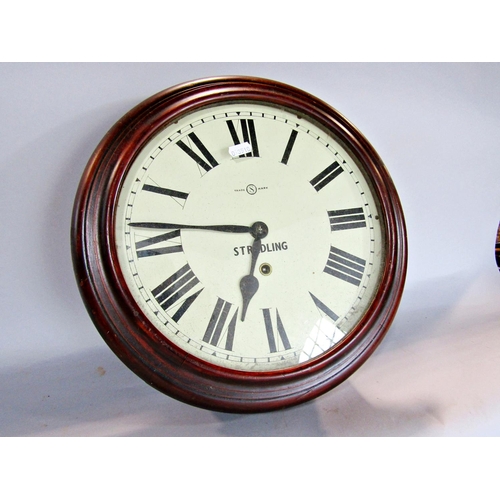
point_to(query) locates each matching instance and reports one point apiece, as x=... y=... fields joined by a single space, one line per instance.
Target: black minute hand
x=225 y=228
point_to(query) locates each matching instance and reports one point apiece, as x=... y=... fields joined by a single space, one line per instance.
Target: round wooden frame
x=126 y=329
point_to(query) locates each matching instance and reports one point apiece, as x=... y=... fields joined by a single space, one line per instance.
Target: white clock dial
x=318 y=268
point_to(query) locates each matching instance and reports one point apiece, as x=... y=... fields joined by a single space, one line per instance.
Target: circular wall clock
x=239 y=244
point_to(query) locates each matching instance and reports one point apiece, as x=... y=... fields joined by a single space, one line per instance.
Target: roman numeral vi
x=274 y=337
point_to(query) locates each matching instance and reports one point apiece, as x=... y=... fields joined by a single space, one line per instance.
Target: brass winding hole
x=265 y=269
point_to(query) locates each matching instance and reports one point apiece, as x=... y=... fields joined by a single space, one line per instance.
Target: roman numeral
x=324 y=308
x=150 y=252
x=207 y=162
x=219 y=325
x=348 y=218
x=289 y=146
x=174 y=288
x=273 y=338
x=325 y=333
x=185 y=306
x=165 y=191
x=249 y=135
x=345 y=266
x=327 y=175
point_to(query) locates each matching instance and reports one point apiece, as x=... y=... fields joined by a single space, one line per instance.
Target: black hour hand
x=249 y=284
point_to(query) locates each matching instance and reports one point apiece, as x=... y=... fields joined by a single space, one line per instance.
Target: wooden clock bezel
x=126 y=329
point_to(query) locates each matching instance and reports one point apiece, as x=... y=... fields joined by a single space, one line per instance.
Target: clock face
x=316 y=271
x=239 y=244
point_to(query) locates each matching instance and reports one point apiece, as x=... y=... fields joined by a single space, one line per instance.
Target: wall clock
x=239 y=244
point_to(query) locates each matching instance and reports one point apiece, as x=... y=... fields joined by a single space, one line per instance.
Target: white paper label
x=240 y=149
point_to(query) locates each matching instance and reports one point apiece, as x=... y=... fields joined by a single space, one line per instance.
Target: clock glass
x=249 y=235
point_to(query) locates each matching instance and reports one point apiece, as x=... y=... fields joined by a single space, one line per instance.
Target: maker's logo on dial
x=251 y=189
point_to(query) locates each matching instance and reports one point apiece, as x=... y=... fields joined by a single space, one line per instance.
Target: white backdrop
x=437 y=373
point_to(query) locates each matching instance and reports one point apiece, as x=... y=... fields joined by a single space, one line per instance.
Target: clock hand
x=249 y=284
x=225 y=228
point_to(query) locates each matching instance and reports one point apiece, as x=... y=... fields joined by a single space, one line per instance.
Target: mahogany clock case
x=127 y=330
